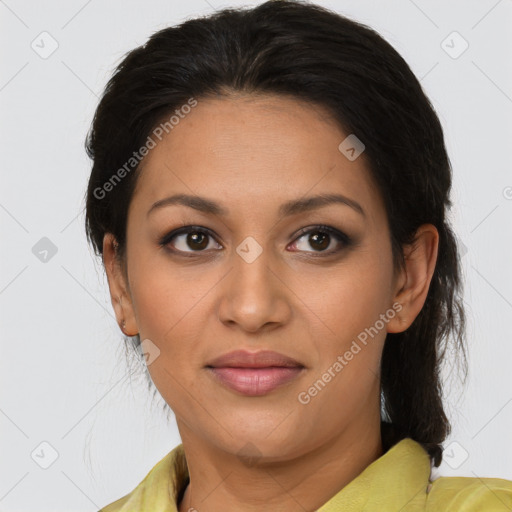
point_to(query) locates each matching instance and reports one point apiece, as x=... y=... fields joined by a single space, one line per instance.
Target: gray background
x=64 y=380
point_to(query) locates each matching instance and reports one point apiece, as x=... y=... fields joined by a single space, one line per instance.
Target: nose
x=254 y=297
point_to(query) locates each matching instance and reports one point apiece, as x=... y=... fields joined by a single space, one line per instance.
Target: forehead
x=261 y=150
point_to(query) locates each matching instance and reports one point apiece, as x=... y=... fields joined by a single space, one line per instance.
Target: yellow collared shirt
x=398 y=481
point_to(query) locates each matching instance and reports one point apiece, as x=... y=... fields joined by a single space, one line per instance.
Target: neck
x=220 y=481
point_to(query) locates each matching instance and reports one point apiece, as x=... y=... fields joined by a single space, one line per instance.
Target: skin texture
x=251 y=154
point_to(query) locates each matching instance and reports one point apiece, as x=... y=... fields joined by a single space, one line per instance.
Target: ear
x=119 y=289
x=414 y=280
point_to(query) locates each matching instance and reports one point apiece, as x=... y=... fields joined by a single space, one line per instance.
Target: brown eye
x=188 y=240
x=320 y=238
x=197 y=240
x=319 y=241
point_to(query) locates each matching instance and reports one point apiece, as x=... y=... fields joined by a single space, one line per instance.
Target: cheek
x=165 y=298
x=172 y=308
x=347 y=323
x=346 y=300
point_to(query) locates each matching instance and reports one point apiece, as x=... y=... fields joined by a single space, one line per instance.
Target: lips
x=261 y=359
x=254 y=373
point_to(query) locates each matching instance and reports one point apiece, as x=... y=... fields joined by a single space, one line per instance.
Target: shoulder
x=156 y=490
x=117 y=505
x=133 y=500
x=467 y=494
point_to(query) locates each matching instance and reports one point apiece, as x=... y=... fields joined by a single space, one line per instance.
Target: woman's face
x=246 y=278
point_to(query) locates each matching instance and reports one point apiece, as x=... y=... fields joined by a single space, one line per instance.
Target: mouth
x=254 y=373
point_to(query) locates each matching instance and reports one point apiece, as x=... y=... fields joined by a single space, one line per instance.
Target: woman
x=268 y=195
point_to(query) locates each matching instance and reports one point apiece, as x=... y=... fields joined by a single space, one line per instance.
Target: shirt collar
x=399 y=476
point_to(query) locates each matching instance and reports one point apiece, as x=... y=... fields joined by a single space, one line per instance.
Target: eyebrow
x=292 y=207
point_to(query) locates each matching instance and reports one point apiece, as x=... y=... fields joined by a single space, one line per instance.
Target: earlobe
x=414 y=281
x=119 y=295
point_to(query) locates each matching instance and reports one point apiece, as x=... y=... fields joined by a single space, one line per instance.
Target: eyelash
x=344 y=239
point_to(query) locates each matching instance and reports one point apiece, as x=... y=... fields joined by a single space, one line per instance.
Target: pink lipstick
x=254 y=373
